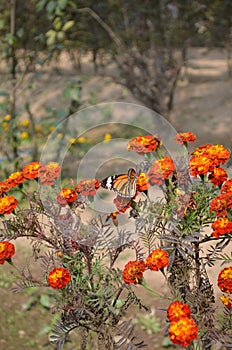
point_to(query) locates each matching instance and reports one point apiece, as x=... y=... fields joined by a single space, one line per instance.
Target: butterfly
x=123 y=184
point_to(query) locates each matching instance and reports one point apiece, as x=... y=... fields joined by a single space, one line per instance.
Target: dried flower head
x=133 y=271
x=88 y=187
x=185 y=137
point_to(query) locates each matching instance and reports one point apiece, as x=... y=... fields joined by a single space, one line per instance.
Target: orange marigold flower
x=221 y=204
x=221 y=227
x=4 y=187
x=218 y=154
x=31 y=170
x=15 y=179
x=142 y=182
x=225 y=280
x=122 y=203
x=200 y=165
x=59 y=277
x=49 y=173
x=155 y=175
x=227 y=301
x=177 y=310
x=218 y=176
x=7 y=204
x=167 y=166
x=185 y=137
x=227 y=186
x=7 y=250
x=133 y=271
x=66 y=196
x=183 y=331
x=88 y=187
x=143 y=144
x=157 y=260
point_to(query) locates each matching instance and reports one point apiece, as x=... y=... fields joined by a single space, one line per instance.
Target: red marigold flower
x=133 y=271
x=218 y=176
x=144 y=144
x=31 y=170
x=221 y=227
x=7 y=204
x=15 y=179
x=225 y=280
x=122 y=203
x=200 y=165
x=155 y=175
x=221 y=204
x=66 y=196
x=183 y=331
x=7 y=250
x=177 y=310
x=227 y=186
x=185 y=137
x=4 y=187
x=157 y=260
x=88 y=187
x=48 y=173
x=142 y=182
x=59 y=277
x=227 y=301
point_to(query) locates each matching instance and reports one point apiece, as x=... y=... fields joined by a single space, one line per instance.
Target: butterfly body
x=123 y=184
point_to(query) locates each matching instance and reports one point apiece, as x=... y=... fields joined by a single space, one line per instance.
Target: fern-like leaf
x=127 y=341
x=60 y=332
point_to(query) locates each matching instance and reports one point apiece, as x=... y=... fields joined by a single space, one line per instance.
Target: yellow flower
x=7 y=117
x=24 y=135
x=5 y=126
x=81 y=139
x=72 y=140
x=38 y=128
x=52 y=128
x=60 y=135
x=25 y=123
x=107 y=137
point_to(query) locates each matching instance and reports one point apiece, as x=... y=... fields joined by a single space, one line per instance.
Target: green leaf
x=62 y=4
x=41 y=5
x=51 y=6
x=45 y=301
x=60 y=36
x=1 y=23
x=57 y=24
x=68 y=25
x=20 y=33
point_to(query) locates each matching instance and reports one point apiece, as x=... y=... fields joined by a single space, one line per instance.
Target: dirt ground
x=203 y=105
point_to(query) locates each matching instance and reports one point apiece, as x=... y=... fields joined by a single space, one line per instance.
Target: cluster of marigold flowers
x=182 y=329
x=133 y=270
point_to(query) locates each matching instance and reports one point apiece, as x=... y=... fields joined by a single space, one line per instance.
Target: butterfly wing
x=124 y=184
